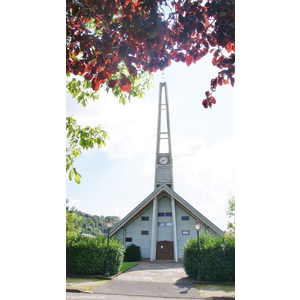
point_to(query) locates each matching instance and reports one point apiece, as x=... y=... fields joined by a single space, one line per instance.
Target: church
x=163 y=222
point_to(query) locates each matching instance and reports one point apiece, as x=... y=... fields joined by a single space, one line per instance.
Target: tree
x=72 y=225
x=81 y=139
x=231 y=213
x=93 y=224
x=106 y=37
x=116 y=44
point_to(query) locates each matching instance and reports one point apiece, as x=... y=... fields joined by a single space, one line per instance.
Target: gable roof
x=178 y=200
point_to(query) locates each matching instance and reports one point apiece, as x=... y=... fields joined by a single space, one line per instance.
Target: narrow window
x=185 y=232
x=128 y=239
x=168 y=214
x=160 y=224
x=161 y=214
x=144 y=218
x=144 y=232
x=169 y=224
x=185 y=218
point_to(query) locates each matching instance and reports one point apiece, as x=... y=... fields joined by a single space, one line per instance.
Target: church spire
x=164 y=161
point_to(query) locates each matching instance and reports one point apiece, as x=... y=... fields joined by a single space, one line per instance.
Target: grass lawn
x=127 y=264
x=215 y=290
x=88 y=284
x=85 y=284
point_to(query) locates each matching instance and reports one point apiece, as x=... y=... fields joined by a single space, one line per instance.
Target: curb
x=172 y=297
x=209 y=282
x=78 y=291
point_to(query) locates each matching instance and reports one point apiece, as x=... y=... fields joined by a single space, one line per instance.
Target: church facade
x=162 y=223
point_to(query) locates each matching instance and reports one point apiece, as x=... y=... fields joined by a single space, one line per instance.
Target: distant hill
x=93 y=224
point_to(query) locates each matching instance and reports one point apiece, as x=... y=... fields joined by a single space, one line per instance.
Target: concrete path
x=165 y=279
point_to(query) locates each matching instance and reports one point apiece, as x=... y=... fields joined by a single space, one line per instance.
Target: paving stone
x=156 y=279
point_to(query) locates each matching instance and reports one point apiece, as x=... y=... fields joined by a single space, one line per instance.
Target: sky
x=116 y=178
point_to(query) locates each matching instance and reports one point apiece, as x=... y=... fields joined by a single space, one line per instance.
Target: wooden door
x=164 y=250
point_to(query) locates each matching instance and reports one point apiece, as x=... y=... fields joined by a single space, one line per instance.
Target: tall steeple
x=164 y=161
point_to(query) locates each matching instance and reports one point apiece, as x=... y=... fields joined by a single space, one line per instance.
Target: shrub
x=217 y=258
x=88 y=256
x=132 y=253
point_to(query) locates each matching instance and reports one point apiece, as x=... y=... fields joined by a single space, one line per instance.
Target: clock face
x=163 y=160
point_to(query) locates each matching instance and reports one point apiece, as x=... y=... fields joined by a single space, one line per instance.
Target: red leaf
x=107 y=61
x=207 y=93
x=214 y=61
x=106 y=73
x=88 y=76
x=132 y=70
x=233 y=47
x=112 y=83
x=72 y=22
x=205 y=103
x=101 y=77
x=189 y=60
x=213 y=84
x=228 y=47
x=213 y=100
x=125 y=84
x=95 y=84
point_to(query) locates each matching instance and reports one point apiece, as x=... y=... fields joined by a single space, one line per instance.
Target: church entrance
x=164 y=250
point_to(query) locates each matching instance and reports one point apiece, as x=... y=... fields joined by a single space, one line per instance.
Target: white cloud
x=196 y=162
x=122 y=211
x=131 y=127
x=73 y=202
x=205 y=175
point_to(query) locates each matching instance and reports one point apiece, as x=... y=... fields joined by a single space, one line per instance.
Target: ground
x=165 y=279
x=215 y=290
x=84 y=284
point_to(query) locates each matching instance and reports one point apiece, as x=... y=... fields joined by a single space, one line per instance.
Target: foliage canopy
x=231 y=213
x=88 y=256
x=132 y=253
x=216 y=257
x=104 y=36
x=72 y=225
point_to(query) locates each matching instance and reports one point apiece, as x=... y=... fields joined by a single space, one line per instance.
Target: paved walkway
x=152 y=279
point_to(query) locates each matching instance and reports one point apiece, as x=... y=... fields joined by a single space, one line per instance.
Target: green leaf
x=77 y=176
x=71 y=174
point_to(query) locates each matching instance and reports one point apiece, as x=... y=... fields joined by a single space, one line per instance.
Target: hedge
x=217 y=258
x=132 y=253
x=88 y=256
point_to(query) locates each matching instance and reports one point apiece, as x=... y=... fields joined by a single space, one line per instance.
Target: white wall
x=164 y=233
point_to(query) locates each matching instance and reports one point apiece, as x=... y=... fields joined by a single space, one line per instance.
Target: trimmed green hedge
x=132 y=253
x=88 y=256
x=217 y=258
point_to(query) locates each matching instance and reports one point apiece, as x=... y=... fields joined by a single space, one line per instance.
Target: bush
x=88 y=256
x=217 y=258
x=132 y=253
